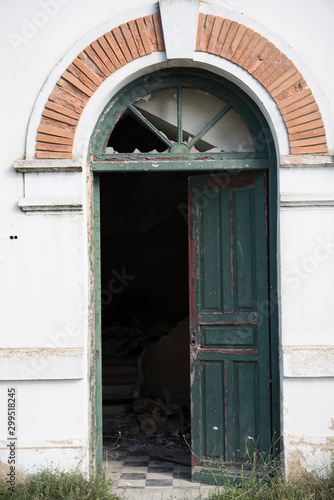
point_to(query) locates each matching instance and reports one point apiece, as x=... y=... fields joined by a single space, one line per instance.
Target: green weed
x=264 y=480
x=261 y=477
x=58 y=485
x=307 y=486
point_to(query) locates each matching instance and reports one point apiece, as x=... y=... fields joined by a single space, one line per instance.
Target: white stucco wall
x=307 y=262
x=43 y=309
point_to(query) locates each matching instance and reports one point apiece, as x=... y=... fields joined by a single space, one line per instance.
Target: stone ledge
x=307 y=160
x=50 y=204
x=62 y=165
x=307 y=200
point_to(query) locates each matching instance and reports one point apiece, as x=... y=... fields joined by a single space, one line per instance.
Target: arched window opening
x=180 y=119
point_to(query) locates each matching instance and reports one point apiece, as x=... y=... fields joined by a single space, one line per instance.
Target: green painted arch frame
x=264 y=158
x=191 y=78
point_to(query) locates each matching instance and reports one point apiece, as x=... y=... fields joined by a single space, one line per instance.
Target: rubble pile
x=151 y=418
x=155 y=417
x=146 y=385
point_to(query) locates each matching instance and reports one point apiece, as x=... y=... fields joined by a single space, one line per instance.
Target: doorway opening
x=172 y=142
x=145 y=311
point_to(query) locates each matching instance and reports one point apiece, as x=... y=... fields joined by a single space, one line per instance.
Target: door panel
x=230 y=372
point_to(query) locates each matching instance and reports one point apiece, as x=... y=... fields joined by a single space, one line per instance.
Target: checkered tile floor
x=144 y=476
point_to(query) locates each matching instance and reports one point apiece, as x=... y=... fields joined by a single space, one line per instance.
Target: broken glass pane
x=130 y=135
x=160 y=109
x=208 y=124
x=229 y=134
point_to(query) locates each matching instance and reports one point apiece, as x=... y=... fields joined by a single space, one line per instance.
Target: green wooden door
x=230 y=371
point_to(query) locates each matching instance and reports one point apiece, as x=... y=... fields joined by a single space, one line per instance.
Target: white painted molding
x=65 y=165
x=309 y=200
x=308 y=361
x=320 y=160
x=73 y=204
x=41 y=364
x=179 y=20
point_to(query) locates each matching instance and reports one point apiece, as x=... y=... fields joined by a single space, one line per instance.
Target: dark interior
x=144 y=283
x=129 y=134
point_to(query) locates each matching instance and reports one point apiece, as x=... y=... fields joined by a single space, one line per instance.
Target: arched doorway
x=186 y=146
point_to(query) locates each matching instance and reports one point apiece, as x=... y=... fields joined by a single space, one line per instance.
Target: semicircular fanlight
x=180 y=120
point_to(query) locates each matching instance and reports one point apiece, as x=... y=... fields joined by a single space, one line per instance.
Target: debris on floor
x=149 y=417
x=146 y=386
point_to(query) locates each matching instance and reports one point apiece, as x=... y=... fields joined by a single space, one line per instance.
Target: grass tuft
x=59 y=485
x=268 y=483
x=261 y=477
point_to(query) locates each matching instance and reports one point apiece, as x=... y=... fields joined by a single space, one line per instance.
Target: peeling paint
x=193 y=357
x=309 y=454
x=308 y=361
x=41 y=364
x=21 y=353
x=20 y=473
x=91 y=315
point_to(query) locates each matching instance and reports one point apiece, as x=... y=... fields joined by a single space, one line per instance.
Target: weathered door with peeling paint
x=230 y=371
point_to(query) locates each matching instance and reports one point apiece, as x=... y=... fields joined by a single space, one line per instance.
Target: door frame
x=264 y=159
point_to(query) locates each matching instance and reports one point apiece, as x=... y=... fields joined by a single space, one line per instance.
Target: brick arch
x=85 y=74
x=278 y=75
x=216 y=35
